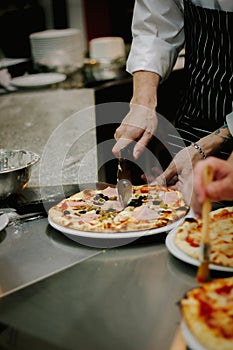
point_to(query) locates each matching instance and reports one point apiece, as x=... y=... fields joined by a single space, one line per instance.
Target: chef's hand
x=221 y=188
x=138 y=125
x=141 y=121
x=180 y=169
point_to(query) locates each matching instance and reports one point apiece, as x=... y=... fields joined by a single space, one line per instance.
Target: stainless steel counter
x=58 y=125
x=122 y=298
x=31 y=251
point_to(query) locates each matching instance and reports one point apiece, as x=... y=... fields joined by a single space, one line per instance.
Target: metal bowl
x=15 y=170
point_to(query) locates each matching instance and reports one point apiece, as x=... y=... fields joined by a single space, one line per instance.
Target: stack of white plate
x=107 y=48
x=59 y=49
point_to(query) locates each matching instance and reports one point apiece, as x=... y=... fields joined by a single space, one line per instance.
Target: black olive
x=82 y=212
x=137 y=202
x=156 y=202
x=182 y=208
x=191 y=220
x=98 y=196
x=66 y=212
x=101 y=195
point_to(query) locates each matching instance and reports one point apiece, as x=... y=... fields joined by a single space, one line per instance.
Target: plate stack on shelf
x=107 y=59
x=58 y=50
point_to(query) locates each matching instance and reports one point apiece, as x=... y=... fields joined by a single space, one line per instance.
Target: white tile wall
x=77 y=19
x=75 y=14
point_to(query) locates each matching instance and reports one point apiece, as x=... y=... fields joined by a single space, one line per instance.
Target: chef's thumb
x=166 y=176
x=119 y=145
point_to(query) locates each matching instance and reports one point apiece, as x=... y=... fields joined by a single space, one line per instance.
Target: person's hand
x=180 y=169
x=221 y=188
x=138 y=125
x=141 y=121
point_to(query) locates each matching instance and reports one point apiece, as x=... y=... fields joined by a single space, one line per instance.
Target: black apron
x=208 y=96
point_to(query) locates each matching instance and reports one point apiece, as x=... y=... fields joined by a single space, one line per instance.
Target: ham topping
x=145 y=213
x=168 y=197
x=116 y=205
x=88 y=217
x=77 y=203
x=110 y=191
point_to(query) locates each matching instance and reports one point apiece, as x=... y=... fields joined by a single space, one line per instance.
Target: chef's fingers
x=143 y=140
x=220 y=189
x=221 y=170
x=138 y=148
x=119 y=145
x=141 y=144
x=157 y=171
x=167 y=175
x=198 y=181
x=148 y=178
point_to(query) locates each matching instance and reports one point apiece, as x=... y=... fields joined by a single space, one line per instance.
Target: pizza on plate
x=188 y=237
x=208 y=312
x=96 y=210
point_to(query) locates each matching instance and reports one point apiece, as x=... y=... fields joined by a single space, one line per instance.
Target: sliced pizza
x=188 y=237
x=208 y=312
x=96 y=210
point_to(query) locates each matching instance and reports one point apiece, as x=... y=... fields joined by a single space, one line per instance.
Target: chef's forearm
x=213 y=143
x=230 y=159
x=145 y=86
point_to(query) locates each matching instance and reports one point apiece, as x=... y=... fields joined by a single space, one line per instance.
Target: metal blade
x=125 y=191
x=123 y=169
x=124 y=185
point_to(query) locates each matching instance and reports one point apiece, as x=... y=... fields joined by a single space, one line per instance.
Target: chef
x=161 y=28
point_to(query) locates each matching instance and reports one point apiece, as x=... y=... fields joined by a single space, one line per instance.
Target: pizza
x=96 y=210
x=208 y=312
x=188 y=236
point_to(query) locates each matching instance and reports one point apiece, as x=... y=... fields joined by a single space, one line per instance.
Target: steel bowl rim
x=35 y=159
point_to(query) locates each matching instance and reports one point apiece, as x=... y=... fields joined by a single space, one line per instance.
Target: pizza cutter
x=125 y=190
x=124 y=185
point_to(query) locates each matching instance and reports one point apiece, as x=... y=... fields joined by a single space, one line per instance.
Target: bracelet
x=200 y=150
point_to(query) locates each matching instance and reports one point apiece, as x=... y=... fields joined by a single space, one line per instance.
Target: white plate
x=38 y=80
x=4 y=220
x=174 y=250
x=8 y=62
x=191 y=341
x=109 y=239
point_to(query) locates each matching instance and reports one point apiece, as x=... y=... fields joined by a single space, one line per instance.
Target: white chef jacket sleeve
x=158 y=36
x=229 y=120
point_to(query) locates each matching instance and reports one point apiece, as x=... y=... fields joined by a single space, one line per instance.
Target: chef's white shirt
x=229 y=119
x=158 y=33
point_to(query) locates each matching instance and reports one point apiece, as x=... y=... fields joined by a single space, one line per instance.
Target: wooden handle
x=206 y=208
x=208 y=175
